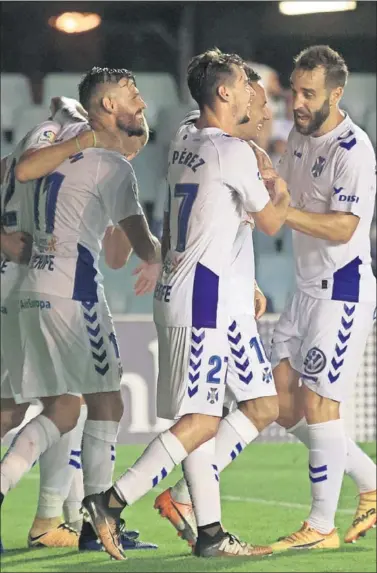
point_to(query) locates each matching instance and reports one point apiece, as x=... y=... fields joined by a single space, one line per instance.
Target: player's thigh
x=249 y=371
x=192 y=371
x=69 y=346
x=11 y=347
x=287 y=336
x=334 y=346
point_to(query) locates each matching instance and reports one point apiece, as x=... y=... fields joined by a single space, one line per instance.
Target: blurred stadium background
x=44 y=53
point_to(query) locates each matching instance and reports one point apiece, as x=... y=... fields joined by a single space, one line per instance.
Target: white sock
x=359 y=467
x=57 y=467
x=156 y=462
x=235 y=432
x=98 y=455
x=327 y=461
x=202 y=478
x=29 y=444
x=72 y=504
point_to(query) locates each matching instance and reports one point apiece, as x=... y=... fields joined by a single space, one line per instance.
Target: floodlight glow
x=295 y=8
x=75 y=22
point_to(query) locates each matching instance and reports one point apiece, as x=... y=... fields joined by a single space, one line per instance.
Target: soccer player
x=213 y=187
x=61 y=484
x=257 y=405
x=72 y=208
x=321 y=336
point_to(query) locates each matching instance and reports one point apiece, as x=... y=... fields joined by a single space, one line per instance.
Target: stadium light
x=295 y=8
x=75 y=22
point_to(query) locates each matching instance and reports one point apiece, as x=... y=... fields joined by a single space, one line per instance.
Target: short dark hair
x=336 y=71
x=252 y=75
x=98 y=76
x=206 y=71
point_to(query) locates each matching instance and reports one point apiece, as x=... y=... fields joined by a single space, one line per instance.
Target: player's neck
x=331 y=123
x=217 y=119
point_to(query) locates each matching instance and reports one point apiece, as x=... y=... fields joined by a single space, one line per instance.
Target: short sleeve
x=117 y=186
x=239 y=170
x=354 y=186
x=41 y=136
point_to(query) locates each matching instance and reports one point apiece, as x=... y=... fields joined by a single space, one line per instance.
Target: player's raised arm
x=268 y=216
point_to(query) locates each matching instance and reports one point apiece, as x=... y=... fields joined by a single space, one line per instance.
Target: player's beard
x=317 y=119
x=131 y=126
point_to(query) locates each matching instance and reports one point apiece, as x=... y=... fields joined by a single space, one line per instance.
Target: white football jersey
x=333 y=172
x=213 y=182
x=242 y=274
x=17 y=200
x=72 y=208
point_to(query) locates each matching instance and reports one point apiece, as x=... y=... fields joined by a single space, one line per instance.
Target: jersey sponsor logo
x=315 y=361
x=162 y=292
x=318 y=166
x=48 y=136
x=345 y=198
x=29 y=303
x=42 y=262
x=46 y=244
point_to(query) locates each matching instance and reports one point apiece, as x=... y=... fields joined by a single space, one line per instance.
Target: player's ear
x=223 y=92
x=336 y=95
x=108 y=104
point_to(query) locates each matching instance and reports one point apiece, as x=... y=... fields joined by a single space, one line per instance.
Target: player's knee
x=12 y=416
x=63 y=410
x=206 y=427
x=105 y=406
x=261 y=411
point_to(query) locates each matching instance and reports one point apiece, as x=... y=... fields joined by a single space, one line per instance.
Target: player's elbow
x=21 y=173
x=346 y=230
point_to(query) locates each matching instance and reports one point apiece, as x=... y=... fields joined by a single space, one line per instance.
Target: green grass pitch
x=265 y=494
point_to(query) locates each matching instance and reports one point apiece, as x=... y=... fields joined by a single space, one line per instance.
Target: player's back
x=72 y=208
x=205 y=211
x=17 y=199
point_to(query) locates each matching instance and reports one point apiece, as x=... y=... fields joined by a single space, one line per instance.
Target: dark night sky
x=254 y=29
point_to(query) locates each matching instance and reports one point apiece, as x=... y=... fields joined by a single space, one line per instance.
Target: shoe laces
x=68 y=528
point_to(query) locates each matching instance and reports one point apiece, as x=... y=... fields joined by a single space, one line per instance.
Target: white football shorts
x=197 y=365
x=324 y=341
x=64 y=347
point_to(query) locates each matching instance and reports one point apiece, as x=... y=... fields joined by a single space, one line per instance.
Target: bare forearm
x=145 y=245
x=117 y=248
x=281 y=208
x=43 y=161
x=328 y=226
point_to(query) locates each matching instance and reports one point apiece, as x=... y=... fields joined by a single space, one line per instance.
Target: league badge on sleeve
x=48 y=136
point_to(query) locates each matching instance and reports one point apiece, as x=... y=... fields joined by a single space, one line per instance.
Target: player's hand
x=17 y=246
x=263 y=159
x=65 y=109
x=148 y=274
x=260 y=303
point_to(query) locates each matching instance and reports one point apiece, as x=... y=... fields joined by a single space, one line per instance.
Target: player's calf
x=261 y=411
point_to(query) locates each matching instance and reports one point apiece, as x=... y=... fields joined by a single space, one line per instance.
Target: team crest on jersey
x=315 y=361
x=213 y=395
x=48 y=136
x=318 y=166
